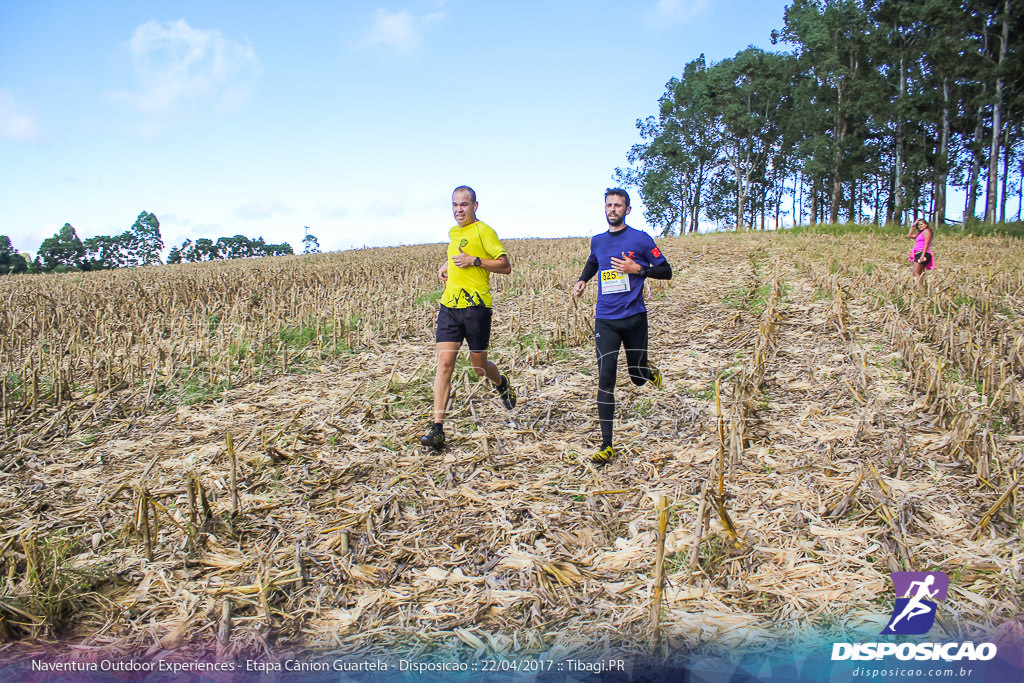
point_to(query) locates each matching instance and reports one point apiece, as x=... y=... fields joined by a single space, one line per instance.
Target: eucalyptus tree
x=310 y=244
x=748 y=98
x=63 y=251
x=11 y=262
x=239 y=246
x=103 y=252
x=145 y=242
x=832 y=39
x=671 y=167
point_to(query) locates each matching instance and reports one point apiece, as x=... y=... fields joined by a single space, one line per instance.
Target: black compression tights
x=609 y=335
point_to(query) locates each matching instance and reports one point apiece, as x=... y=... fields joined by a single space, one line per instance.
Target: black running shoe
x=506 y=392
x=433 y=439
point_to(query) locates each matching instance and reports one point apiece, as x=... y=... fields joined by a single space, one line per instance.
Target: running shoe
x=506 y=392
x=656 y=378
x=433 y=439
x=604 y=456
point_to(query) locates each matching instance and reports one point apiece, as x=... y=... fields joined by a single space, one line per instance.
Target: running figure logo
x=914 y=611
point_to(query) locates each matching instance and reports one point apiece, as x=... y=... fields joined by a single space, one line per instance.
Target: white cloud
x=679 y=10
x=387 y=205
x=399 y=31
x=15 y=124
x=333 y=211
x=260 y=209
x=177 y=65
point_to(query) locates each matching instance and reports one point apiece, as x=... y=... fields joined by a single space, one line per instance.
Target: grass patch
x=964 y=300
x=195 y=391
x=641 y=407
x=736 y=298
x=727 y=374
x=972 y=227
x=14 y=387
x=301 y=336
x=705 y=394
x=428 y=297
x=760 y=300
x=46 y=584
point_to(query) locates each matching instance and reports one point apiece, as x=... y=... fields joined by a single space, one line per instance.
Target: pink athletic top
x=919 y=246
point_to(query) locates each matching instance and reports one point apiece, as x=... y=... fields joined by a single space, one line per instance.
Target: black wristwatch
x=476 y=262
x=643 y=271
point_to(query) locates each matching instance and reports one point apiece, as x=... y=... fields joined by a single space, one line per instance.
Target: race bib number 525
x=614 y=282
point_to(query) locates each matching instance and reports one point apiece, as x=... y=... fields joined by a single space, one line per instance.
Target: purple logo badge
x=914 y=611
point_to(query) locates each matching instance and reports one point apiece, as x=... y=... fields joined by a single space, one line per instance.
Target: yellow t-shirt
x=470 y=286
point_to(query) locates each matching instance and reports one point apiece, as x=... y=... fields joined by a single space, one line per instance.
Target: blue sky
x=353 y=118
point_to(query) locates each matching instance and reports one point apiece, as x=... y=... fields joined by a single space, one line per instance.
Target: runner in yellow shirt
x=465 y=314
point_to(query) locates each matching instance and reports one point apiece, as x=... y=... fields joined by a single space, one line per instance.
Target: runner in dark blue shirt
x=624 y=258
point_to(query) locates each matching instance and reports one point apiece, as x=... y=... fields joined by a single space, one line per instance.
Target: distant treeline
x=880 y=108
x=140 y=245
x=238 y=246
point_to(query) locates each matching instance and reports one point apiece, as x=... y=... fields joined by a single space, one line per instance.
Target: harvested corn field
x=224 y=459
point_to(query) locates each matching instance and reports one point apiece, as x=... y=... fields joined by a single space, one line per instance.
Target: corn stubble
x=223 y=456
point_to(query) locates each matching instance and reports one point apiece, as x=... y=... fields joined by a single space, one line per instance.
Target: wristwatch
x=643 y=271
x=476 y=262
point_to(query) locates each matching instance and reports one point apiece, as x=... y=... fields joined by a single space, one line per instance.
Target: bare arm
x=499 y=265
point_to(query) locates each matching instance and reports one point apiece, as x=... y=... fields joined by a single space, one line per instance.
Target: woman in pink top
x=920 y=253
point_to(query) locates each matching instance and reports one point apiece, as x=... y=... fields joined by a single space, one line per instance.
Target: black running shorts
x=472 y=324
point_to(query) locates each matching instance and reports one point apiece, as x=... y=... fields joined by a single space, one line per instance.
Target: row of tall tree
x=880 y=107
x=239 y=246
x=140 y=245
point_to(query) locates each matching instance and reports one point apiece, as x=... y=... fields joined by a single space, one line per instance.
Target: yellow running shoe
x=656 y=378
x=604 y=456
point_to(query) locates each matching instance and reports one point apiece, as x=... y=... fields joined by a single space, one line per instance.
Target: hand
x=442 y=272
x=625 y=264
x=577 y=289
x=463 y=260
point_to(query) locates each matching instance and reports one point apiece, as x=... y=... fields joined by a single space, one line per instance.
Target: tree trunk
x=1006 y=172
x=878 y=201
x=1020 y=194
x=992 y=191
x=942 y=163
x=695 y=205
x=814 y=201
x=970 y=208
x=853 y=202
x=837 y=158
x=683 y=201
x=890 y=205
x=778 y=204
x=897 y=211
x=798 y=202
